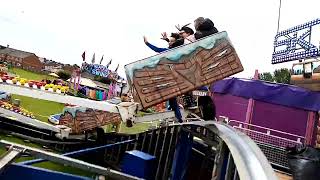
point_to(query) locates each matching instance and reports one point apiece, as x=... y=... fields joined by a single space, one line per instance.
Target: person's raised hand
x=164 y=35
x=145 y=39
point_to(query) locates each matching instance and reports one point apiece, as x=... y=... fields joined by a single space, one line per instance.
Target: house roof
x=282 y=94
x=53 y=64
x=15 y=52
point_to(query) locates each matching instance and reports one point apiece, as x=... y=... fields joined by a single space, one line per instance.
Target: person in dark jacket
x=177 y=41
x=174 y=41
x=207 y=105
x=204 y=27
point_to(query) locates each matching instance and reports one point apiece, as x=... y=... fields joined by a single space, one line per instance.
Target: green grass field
x=42 y=109
x=46 y=165
x=18 y=141
x=30 y=75
x=137 y=128
x=59 y=167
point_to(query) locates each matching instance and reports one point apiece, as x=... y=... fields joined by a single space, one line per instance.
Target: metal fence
x=221 y=153
x=268 y=135
x=273 y=143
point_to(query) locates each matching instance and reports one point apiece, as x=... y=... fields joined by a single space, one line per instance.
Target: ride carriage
x=306 y=74
x=183 y=69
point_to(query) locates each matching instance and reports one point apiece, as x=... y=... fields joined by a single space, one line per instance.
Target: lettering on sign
x=199 y=93
x=296 y=43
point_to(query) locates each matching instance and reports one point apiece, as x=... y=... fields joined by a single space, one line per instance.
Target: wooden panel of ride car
x=182 y=69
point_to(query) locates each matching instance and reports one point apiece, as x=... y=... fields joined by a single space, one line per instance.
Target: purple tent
x=281 y=94
x=281 y=107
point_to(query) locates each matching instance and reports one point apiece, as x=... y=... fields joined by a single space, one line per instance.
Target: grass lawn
x=63 y=168
x=46 y=165
x=140 y=127
x=136 y=128
x=30 y=75
x=42 y=109
x=18 y=141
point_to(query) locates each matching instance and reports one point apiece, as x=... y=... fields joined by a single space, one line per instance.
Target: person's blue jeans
x=175 y=107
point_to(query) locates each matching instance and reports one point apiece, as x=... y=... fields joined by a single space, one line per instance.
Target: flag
x=93 y=58
x=84 y=56
x=109 y=63
x=116 y=68
x=101 y=59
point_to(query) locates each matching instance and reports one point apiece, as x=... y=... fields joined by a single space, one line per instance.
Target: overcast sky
x=62 y=29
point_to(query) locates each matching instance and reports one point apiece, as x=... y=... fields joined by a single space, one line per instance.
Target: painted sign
x=97 y=69
x=296 y=43
x=100 y=70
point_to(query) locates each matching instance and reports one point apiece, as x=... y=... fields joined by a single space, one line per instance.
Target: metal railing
x=17 y=149
x=229 y=153
x=223 y=153
x=267 y=135
x=273 y=143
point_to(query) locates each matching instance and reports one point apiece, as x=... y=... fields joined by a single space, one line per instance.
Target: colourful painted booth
x=280 y=107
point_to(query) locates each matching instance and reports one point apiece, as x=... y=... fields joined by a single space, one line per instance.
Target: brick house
x=70 y=68
x=52 y=66
x=21 y=59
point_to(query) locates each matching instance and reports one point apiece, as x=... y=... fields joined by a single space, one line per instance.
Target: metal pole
x=279 y=14
x=113 y=174
x=79 y=152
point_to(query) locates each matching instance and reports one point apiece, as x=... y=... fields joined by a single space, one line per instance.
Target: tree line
x=279 y=75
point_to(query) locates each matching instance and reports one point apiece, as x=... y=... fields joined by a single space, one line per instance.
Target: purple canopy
x=281 y=94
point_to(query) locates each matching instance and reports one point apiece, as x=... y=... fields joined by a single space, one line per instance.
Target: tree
x=266 y=76
x=64 y=75
x=282 y=75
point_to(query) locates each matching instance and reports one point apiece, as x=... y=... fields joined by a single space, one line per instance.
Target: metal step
x=8 y=157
